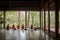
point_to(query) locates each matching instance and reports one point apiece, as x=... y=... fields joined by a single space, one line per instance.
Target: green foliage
x=9 y=18
x=1 y=18
x=52 y=18
x=34 y=18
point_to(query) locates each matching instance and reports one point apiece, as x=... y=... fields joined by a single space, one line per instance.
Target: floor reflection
x=22 y=35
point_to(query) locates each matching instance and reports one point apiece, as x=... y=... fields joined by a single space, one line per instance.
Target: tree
x=1 y=19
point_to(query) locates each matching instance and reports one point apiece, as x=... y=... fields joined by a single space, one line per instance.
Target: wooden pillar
x=19 y=18
x=40 y=19
x=44 y=24
x=4 y=18
x=25 y=19
x=48 y=20
x=44 y=20
x=32 y=25
x=56 y=20
x=28 y=18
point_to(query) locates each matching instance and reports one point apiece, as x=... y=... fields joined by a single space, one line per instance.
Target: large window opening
x=52 y=21
x=23 y=18
x=34 y=18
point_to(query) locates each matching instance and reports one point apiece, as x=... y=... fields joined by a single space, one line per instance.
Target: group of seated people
x=17 y=27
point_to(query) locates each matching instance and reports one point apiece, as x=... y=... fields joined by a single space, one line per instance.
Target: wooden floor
x=23 y=35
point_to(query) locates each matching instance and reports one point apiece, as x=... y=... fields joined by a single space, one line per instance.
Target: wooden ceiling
x=23 y=4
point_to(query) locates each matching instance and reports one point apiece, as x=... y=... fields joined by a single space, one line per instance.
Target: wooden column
x=56 y=20
x=25 y=19
x=4 y=18
x=40 y=19
x=48 y=20
x=28 y=18
x=19 y=18
x=44 y=20
x=44 y=24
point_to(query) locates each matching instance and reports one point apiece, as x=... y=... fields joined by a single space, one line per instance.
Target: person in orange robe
x=18 y=27
x=8 y=27
x=13 y=27
x=22 y=26
x=31 y=26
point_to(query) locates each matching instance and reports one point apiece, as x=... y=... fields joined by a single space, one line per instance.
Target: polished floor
x=23 y=35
